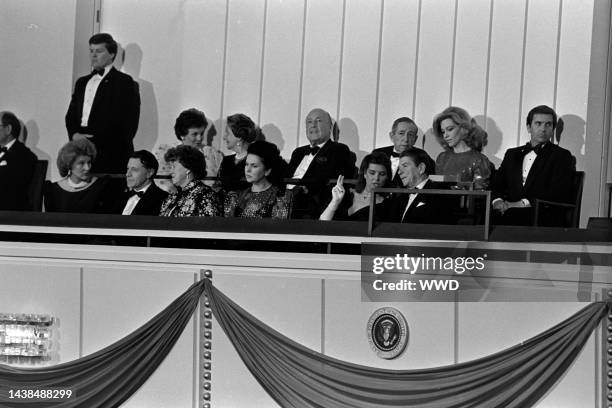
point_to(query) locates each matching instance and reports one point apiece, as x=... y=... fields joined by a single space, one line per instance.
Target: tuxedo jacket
x=149 y=204
x=425 y=209
x=388 y=150
x=113 y=119
x=16 y=169
x=550 y=176
x=330 y=161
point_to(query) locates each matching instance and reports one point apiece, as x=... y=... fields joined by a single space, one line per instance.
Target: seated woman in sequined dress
x=463 y=141
x=78 y=191
x=192 y=198
x=266 y=197
x=374 y=171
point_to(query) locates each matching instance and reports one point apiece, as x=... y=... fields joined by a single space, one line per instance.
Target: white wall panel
x=346 y=320
x=540 y=57
x=398 y=61
x=359 y=79
x=36 y=70
x=505 y=77
x=322 y=53
x=280 y=102
x=573 y=76
x=576 y=388
x=435 y=64
x=44 y=288
x=289 y=305
x=117 y=301
x=204 y=51
x=151 y=32
x=471 y=57
x=244 y=57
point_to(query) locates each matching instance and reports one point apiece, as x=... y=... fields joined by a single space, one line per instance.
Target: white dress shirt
x=133 y=201
x=8 y=147
x=414 y=195
x=301 y=170
x=90 y=93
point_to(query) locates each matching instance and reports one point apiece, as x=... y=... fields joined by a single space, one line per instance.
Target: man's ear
x=421 y=167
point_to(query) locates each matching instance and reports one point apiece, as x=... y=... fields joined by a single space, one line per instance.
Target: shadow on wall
x=570 y=134
x=130 y=59
x=30 y=136
x=349 y=135
x=494 y=138
x=274 y=135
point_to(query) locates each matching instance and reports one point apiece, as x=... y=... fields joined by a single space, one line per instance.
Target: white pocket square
x=420 y=204
x=3 y=163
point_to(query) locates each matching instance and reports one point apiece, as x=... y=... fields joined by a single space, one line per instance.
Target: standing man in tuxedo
x=538 y=169
x=403 y=134
x=143 y=196
x=415 y=166
x=105 y=107
x=317 y=163
x=16 y=165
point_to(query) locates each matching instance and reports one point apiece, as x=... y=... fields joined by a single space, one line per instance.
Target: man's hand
x=338 y=191
x=501 y=206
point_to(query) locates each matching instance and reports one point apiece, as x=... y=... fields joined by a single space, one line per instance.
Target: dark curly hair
x=244 y=128
x=271 y=159
x=475 y=136
x=188 y=119
x=190 y=158
x=373 y=158
x=71 y=151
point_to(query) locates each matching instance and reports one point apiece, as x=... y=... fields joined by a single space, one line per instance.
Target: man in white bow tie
x=105 y=108
x=16 y=165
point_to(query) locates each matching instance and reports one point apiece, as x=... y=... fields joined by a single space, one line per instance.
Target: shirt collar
x=10 y=144
x=422 y=184
x=145 y=188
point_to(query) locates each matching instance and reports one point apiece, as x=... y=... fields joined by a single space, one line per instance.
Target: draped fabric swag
x=110 y=376
x=299 y=377
x=295 y=376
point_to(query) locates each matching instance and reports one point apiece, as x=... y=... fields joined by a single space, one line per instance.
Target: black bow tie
x=3 y=149
x=133 y=193
x=395 y=154
x=537 y=149
x=314 y=149
x=98 y=71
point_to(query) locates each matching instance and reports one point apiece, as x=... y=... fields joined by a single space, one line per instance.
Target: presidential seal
x=387 y=332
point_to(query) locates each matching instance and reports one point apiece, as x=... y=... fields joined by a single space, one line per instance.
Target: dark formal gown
x=91 y=199
x=231 y=174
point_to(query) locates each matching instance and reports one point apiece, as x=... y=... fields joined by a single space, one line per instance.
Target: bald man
x=322 y=159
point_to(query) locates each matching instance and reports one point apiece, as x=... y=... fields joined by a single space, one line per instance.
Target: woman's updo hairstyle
x=244 y=128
